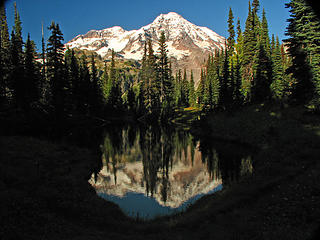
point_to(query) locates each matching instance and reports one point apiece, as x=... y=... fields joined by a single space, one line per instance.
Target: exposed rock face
x=188 y=45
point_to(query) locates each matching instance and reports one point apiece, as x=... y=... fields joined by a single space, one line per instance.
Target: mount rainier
x=188 y=45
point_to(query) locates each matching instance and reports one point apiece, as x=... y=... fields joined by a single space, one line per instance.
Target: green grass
x=184 y=117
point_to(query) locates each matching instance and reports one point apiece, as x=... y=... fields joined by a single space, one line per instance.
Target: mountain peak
x=171 y=18
x=170 y=15
x=189 y=45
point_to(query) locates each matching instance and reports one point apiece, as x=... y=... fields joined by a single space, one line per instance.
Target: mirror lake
x=151 y=171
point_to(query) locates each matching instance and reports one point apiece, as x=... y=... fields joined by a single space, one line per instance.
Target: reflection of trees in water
x=158 y=148
x=226 y=160
x=157 y=151
x=155 y=146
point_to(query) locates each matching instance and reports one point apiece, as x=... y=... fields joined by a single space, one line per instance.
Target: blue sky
x=79 y=16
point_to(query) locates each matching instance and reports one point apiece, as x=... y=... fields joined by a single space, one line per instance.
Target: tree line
x=252 y=68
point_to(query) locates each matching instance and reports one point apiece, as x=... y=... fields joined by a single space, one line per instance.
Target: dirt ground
x=45 y=194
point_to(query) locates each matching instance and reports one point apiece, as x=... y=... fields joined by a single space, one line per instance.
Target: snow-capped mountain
x=188 y=44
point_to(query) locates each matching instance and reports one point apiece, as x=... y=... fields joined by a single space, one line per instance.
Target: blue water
x=143 y=207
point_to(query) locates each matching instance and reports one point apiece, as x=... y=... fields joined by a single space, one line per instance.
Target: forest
x=253 y=68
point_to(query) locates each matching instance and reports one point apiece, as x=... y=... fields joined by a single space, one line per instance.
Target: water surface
x=154 y=171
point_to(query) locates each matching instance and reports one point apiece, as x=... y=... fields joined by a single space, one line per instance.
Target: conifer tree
x=249 y=49
x=231 y=38
x=4 y=57
x=17 y=75
x=201 y=89
x=95 y=90
x=163 y=70
x=185 y=89
x=256 y=5
x=263 y=69
x=104 y=82
x=74 y=79
x=265 y=39
x=178 y=88
x=277 y=85
x=303 y=32
x=208 y=86
x=165 y=80
x=56 y=70
x=141 y=82
x=114 y=99
x=239 y=44
x=84 y=85
x=31 y=77
x=192 y=93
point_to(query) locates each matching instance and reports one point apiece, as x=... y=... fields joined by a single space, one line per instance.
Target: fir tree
x=201 y=89
x=192 y=93
x=74 y=79
x=96 y=96
x=163 y=70
x=302 y=45
x=17 y=75
x=277 y=85
x=185 y=90
x=56 y=70
x=249 y=50
x=231 y=38
x=166 y=85
x=4 y=57
x=114 y=99
x=84 y=85
x=31 y=77
x=152 y=86
x=104 y=82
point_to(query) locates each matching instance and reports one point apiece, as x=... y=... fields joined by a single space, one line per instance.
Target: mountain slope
x=188 y=44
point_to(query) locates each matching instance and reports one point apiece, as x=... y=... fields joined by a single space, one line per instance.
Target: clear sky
x=79 y=16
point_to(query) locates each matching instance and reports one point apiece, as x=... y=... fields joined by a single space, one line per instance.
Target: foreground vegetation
x=45 y=192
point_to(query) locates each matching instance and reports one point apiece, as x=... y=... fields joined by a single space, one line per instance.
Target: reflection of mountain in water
x=169 y=166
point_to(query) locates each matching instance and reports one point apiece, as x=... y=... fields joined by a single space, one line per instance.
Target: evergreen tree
x=151 y=85
x=56 y=70
x=4 y=57
x=265 y=39
x=263 y=73
x=208 y=87
x=17 y=63
x=31 y=77
x=163 y=70
x=277 y=85
x=104 y=82
x=231 y=38
x=201 y=89
x=237 y=80
x=96 y=96
x=249 y=49
x=185 y=90
x=192 y=93
x=44 y=84
x=239 y=44
x=74 y=79
x=166 y=85
x=303 y=47
x=114 y=99
x=256 y=5
x=84 y=85
x=178 y=88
